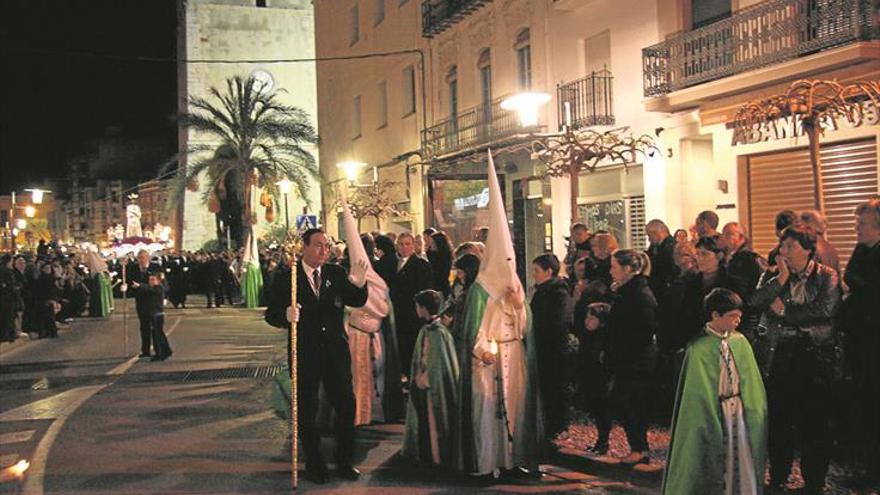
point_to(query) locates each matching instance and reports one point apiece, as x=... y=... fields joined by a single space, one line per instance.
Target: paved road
x=91 y=420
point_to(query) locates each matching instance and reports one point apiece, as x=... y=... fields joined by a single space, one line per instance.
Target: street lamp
x=526 y=106
x=351 y=169
x=284 y=187
x=37 y=195
x=30 y=211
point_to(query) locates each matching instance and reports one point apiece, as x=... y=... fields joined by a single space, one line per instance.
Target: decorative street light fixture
x=30 y=211
x=351 y=169
x=526 y=106
x=37 y=195
x=284 y=187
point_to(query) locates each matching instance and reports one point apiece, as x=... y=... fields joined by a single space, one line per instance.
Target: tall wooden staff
x=294 y=422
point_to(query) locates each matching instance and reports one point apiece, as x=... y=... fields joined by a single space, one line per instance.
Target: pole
x=574 y=177
x=286 y=215
x=294 y=422
x=228 y=239
x=12 y=225
x=811 y=126
x=125 y=309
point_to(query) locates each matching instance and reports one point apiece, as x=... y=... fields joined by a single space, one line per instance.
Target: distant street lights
x=30 y=211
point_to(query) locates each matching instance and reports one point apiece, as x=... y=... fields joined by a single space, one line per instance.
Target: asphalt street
x=90 y=419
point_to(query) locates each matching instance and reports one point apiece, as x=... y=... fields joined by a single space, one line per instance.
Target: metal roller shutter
x=784 y=180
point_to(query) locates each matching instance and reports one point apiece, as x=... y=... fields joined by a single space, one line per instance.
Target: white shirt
x=310 y=275
x=401 y=262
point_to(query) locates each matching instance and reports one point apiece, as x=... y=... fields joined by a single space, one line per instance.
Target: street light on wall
x=526 y=106
x=351 y=169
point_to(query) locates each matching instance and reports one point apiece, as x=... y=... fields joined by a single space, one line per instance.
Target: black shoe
x=348 y=473
x=144 y=354
x=316 y=475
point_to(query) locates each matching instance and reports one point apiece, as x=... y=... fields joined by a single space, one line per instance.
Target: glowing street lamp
x=351 y=169
x=21 y=223
x=37 y=195
x=30 y=211
x=526 y=105
x=284 y=187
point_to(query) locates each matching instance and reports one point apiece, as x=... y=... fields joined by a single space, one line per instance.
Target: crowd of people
x=789 y=317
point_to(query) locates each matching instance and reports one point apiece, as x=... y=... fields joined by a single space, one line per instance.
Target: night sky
x=53 y=104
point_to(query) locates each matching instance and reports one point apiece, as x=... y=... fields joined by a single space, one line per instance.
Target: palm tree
x=257 y=141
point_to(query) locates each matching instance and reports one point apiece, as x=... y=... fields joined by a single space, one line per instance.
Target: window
x=383 y=104
x=484 y=65
x=524 y=59
x=261 y=3
x=409 y=90
x=380 y=12
x=597 y=52
x=401 y=2
x=452 y=85
x=355 y=27
x=356 y=118
x=705 y=12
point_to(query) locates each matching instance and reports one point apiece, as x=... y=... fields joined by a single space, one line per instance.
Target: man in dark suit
x=138 y=276
x=323 y=356
x=743 y=268
x=414 y=275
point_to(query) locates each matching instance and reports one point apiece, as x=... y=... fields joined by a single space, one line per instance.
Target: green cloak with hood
x=696 y=460
x=442 y=370
x=529 y=447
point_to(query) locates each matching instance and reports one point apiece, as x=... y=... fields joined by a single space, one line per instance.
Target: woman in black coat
x=631 y=348
x=440 y=256
x=386 y=264
x=47 y=294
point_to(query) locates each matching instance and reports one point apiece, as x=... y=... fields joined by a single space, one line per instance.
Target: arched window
x=523 y=49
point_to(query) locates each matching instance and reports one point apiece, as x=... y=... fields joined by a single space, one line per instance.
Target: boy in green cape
x=719 y=424
x=433 y=392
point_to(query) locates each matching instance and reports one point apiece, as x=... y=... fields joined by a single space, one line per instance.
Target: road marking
x=16 y=437
x=122 y=368
x=58 y=407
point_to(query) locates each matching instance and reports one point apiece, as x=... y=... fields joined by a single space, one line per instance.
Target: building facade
x=714 y=57
x=245 y=31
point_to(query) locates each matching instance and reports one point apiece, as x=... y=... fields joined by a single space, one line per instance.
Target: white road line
x=122 y=368
x=33 y=483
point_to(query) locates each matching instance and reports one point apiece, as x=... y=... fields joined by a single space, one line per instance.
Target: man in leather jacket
x=796 y=349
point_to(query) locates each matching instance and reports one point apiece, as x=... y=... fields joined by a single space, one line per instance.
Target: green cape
x=695 y=464
x=533 y=452
x=106 y=294
x=252 y=286
x=443 y=384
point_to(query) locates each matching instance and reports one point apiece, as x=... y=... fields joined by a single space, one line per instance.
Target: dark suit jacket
x=135 y=274
x=415 y=276
x=321 y=320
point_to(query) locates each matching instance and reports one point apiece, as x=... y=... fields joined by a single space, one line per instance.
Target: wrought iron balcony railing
x=472 y=127
x=586 y=101
x=438 y=15
x=762 y=34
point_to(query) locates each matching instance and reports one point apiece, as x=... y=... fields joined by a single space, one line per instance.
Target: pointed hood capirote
x=498 y=267
x=369 y=317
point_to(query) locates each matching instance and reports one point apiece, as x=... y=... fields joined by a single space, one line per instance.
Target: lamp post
x=568 y=152
x=284 y=187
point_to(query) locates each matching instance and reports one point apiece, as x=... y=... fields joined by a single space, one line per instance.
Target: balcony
x=586 y=101
x=472 y=127
x=764 y=34
x=438 y=15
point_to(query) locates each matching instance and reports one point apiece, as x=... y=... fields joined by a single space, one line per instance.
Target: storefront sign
x=480 y=200
x=792 y=126
x=609 y=216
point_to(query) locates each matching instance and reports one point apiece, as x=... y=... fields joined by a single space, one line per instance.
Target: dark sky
x=53 y=104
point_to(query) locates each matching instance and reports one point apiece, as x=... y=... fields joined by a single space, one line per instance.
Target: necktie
x=316 y=280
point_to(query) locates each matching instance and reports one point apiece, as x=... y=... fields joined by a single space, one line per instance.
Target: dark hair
x=710 y=243
x=5 y=259
x=384 y=243
x=708 y=217
x=369 y=244
x=578 y=226
x=803 y=234
x=638 y=261
x=721 y=301
x=442 y=244
x=470 y=265
x=783 y=219
x=547 y=261
x=871 y=206
x=430 y=300
x=307 y=235
x=429 y=231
